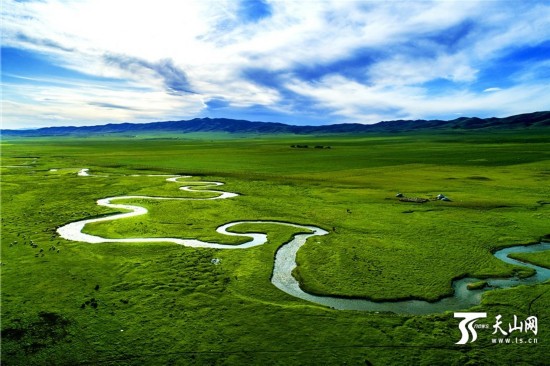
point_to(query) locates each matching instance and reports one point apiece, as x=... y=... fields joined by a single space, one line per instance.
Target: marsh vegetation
x=162 y=303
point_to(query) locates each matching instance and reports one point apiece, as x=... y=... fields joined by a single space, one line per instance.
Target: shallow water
x=285 y=262
x=285 y=257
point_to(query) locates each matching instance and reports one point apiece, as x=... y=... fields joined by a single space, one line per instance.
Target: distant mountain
x=521 y=121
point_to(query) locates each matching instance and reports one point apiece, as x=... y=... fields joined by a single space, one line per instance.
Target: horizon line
x=274 y=122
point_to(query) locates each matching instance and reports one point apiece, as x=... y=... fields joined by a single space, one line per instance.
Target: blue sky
x=301 y=62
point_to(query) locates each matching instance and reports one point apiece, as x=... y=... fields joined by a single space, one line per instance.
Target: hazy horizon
x=221 y=117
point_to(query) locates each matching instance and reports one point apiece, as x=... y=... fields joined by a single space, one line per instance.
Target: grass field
x=73 y=303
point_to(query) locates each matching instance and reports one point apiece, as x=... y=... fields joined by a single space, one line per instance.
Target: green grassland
x=71 y=303
x=539 y=259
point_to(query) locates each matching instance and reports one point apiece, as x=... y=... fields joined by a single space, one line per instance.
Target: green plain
x=135 y=304
x=539 y=259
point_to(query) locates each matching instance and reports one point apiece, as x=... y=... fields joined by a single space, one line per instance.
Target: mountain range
x=534 y=120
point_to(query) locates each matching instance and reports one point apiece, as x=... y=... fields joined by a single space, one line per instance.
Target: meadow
x=73 y=303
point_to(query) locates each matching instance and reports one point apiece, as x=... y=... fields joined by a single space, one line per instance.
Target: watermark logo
x=466 y=326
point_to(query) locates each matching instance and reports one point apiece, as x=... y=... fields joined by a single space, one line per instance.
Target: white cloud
x=354 y=102
x=402 y=70
x=207 y=46
x=92 y=104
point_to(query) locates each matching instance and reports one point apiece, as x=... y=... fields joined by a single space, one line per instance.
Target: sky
x=92 y=62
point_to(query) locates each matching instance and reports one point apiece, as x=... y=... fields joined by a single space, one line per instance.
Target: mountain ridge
x=526 y=120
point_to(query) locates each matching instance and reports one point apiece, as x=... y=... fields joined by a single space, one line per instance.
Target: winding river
x=285 y=257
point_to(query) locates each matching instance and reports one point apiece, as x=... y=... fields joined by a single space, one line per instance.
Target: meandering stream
x=285 y=258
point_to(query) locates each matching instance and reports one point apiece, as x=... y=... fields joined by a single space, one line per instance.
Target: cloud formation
x=301 y=62
x=174 y=79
